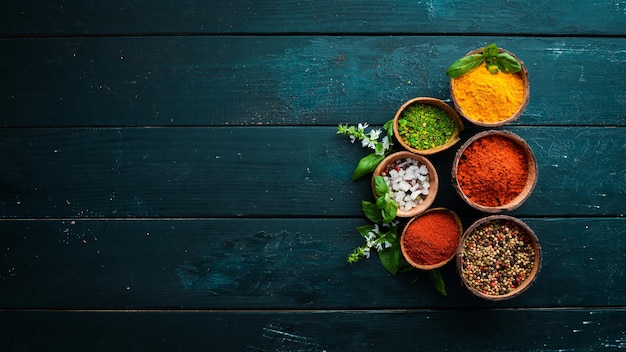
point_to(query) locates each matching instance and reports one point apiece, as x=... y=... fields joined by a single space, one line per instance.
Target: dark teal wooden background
x=171 y=180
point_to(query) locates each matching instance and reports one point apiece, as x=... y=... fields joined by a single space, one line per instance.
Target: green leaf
x=366 y=165
x=490 y=51
x=464 y=65
x=390 y=211
x=371 y=212
x=364 y=230
x=390 y=258
x=435 y=277
x=380 y=186
x=507 y=63
x=388 y=127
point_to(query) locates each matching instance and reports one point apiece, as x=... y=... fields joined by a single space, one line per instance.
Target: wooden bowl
x=531 y=181
x=523 y=74
x=454 y=138
x=452 y=253
x=432 y=175
x=465 y=265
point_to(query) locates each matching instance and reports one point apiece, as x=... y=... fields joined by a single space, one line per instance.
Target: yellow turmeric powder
x=486 y=97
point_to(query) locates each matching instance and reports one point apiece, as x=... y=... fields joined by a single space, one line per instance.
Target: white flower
x=379 y=246
x=386 y=142
x=387 y=244
x=374 y=134
x=365 y=142
x=363 y=126
x=352 y=138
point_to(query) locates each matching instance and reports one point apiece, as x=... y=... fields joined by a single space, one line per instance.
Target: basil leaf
x=464 y=65
x=390 y=211
x=435 y=277
x=507 y=63
x=490 y=51
x=388 y=126
x=371 y=212
x=390 y=258
x=364 y=230
x=380 y=186
x=366 y=165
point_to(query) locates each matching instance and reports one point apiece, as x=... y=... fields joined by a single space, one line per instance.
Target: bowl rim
x=459 y=224
x=537 y=264
x=454 y=115
x=524 y=75
x=531 y=181
x=433 y=180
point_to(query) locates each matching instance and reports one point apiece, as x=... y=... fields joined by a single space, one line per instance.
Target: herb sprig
x=382 y=235
x=495 y=61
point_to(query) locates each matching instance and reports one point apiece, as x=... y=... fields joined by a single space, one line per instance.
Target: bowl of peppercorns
x=498 y=257
x=426 y=125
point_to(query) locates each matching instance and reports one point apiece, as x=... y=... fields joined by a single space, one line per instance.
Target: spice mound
x=492 y=171
x=431 y=238
x=409 y=182
x=489 y=98
x=425 y=126
x=497 y=257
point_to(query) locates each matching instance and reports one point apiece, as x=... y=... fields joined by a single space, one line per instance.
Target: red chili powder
x=492 y=171
x=431 y=238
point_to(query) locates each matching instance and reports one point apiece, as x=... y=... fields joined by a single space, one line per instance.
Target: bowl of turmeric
x=489 y=86
x=494 y=171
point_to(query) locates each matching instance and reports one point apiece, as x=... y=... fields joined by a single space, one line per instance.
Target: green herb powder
x=424 y=126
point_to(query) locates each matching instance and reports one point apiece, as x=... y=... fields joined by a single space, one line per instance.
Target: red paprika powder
x=492 y=171
x=431 y=238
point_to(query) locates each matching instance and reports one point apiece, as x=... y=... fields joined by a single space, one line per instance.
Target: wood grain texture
x=600 y=17
x=267 y=171
x=298 y=80
x=450 y=330
x=279 y=264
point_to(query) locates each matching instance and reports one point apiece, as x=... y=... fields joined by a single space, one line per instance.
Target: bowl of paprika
x=494 y=171
x=498 y=257
x=430 y=240
x=489 y=86
x=426 y=125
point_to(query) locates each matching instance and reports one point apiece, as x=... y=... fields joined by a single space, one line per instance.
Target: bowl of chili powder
x=494 y=171
x=498 y=257
x=426 y=126
x=430 y=240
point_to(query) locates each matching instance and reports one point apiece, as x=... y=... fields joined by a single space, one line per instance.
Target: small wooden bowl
x=528 y=280
x=524 y=75
x=458 y=125
x=452 y=254
x=432 y=175
x=528 y=187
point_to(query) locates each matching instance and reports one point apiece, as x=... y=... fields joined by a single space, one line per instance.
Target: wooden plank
x=297 y=263
x=559 y=17
x=454 y=330
x=299 y=80
x=267 y=171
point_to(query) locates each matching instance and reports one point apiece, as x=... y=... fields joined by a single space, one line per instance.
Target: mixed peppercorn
x=497 y=257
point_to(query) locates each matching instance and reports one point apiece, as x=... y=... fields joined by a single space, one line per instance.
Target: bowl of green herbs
x=426 y=125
